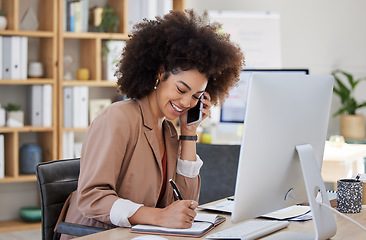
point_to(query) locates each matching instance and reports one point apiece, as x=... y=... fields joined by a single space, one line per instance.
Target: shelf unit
x=90 y=55
x=52 y=41
x=45 y=39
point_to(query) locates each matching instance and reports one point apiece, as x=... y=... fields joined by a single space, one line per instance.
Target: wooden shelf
x=35 y=34
x=21 y=178
x=30 y=81
x=90 y=83
x=25 y=129
x=16 y=225
x=94 y=35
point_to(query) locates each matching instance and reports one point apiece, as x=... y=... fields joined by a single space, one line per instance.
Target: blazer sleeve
x=188 y=178
x=104 y=148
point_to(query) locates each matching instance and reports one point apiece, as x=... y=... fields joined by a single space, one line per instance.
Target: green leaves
x=110 y=20
x=344 y=87
x=12 y=107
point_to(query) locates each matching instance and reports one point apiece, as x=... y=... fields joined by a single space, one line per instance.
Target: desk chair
x=56 y=181
x=218 y=173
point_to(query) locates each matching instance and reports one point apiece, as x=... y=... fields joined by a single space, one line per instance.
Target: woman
x=131 y=149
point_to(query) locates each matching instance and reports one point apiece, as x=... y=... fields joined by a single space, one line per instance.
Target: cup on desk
x=349 y=195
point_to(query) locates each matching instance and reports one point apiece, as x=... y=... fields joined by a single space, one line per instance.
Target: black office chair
x=56 y=181
x=218 y=173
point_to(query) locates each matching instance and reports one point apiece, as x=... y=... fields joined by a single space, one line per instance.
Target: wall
x=318 y=35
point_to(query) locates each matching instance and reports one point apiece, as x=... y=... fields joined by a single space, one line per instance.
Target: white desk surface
x=348 y=152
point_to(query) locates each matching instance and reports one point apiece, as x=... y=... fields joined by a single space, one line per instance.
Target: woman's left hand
x=206 y=101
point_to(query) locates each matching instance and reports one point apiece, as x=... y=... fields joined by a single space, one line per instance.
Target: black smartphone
x=194 y=114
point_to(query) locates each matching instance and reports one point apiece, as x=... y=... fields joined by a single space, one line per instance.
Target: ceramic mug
x=349 y=195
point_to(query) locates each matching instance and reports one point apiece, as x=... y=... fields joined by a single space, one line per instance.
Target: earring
x=156 y=83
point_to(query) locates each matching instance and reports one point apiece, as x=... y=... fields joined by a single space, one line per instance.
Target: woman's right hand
x=179 y=214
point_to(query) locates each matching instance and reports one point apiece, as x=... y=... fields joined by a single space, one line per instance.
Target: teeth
x=176 y=108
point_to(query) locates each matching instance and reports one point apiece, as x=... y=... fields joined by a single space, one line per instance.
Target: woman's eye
x=197 y=98
x=179 y=90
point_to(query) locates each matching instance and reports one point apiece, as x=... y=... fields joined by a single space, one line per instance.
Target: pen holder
x=349 y=195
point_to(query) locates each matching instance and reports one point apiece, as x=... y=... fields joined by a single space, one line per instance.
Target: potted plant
x=3 y=21
x=352 y=124
x=15 y=117
x=110 y=21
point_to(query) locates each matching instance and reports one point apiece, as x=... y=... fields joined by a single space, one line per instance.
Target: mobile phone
x=194 y=114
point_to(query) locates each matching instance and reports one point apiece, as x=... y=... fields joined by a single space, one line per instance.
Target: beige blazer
x=120 y=158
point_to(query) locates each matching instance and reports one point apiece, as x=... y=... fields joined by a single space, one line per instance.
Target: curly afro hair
x=179 y=40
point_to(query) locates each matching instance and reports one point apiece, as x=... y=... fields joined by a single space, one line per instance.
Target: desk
x=345 y=229
x=342 y=162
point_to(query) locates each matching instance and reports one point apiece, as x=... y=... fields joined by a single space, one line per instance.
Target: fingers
x=193 y=205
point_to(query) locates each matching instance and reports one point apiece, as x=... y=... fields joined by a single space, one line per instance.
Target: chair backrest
x=56 y=181
x=218 y=173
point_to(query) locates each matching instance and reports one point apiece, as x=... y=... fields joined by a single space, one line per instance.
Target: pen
x=175 y=189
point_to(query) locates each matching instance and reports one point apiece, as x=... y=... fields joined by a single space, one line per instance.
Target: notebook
x=202 y=224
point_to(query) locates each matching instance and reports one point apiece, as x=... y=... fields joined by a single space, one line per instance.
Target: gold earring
x=156 y=83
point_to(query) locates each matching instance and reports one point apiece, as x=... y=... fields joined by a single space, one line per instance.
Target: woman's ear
x=161 y=73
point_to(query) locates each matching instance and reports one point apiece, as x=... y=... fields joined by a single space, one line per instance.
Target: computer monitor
x=233 y=109
x=282 y=147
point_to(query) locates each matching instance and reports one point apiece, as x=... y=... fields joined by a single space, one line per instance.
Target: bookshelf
x=51 y=44
x=89 y=55
x=43 y=45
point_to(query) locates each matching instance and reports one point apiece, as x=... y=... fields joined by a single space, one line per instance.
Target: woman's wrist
x=188 y=137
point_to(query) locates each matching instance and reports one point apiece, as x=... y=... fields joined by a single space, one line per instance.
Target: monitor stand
x=324 y=224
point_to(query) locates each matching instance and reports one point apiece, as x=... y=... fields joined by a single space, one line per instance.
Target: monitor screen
x=283 y=112
x=234 y=108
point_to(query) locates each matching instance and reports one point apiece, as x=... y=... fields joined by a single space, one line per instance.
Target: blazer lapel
x=171 y=146
x=149 y=131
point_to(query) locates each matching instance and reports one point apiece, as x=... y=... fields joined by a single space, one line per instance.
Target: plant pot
x=353 y=127
x=3 y=23
x=15 y=119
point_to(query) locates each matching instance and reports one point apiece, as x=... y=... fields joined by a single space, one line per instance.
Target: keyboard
x=252 y=229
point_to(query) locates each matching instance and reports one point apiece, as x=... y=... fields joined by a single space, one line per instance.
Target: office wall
x=319 y=35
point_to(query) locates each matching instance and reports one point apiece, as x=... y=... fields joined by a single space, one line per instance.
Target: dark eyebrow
x=186 y=85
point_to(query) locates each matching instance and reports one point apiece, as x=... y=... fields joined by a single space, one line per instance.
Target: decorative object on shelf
x=336 y=141
x=110 y=21
x=95 y=18
x=15 y=117
x=68 y=63
x=30 y=214
x=30 y=155
x=29 y=21
x=3 y=21
x=2 y=116
x=96 y=106
x=35 y=70
x=112 y=53
x=352 y=124
x=83 y=74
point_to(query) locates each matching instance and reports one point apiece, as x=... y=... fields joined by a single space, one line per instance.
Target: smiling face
x=178 y=93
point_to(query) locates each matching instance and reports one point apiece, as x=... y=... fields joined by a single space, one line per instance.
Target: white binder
x=81 y=110
x=67 y=145
x=6 y=58
x=1 y=57
x=15 y=57
x=2 y=156
x=68 y=107
x=36 y=105
x=47 y=105
x=23 y=58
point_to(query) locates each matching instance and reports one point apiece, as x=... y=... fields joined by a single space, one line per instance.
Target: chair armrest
x=77 y=230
